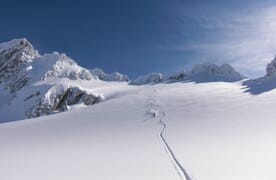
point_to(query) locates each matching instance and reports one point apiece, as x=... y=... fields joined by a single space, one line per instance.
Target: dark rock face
x=62 y=102
x=177 y=76
x=271 y=68
x=13 y=64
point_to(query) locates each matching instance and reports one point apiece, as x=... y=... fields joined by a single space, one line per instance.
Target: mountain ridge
x=50 y=83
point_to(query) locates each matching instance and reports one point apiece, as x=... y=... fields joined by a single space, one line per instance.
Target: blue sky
x=137 y=37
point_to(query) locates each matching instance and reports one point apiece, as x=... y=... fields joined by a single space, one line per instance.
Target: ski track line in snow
x=151 y=104
x=180 y=170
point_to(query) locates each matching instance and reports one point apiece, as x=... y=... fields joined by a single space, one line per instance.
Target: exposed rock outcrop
x=59 y=99
x=15 y=57
x=271 y=68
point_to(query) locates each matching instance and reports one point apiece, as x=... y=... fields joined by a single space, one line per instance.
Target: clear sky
x=140 y=36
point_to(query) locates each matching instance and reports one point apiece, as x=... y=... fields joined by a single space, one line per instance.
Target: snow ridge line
x=180 y=170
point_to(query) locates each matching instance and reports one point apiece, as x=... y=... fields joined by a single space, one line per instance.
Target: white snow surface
x=211 y=131
x=204 y=124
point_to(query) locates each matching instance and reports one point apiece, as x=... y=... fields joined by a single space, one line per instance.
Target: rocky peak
x=61 y=66
x=271 y=68
x=18 y=47
x=36 y=83
x=15 y=56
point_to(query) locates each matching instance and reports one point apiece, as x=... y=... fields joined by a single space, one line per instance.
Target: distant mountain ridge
x=116 y=76
x=44 y=84
x=206 y=72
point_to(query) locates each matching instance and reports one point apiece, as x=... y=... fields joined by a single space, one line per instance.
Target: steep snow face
x=99 y=73
x=211 y=72
x=15 y=59
x=116 y=76
x=148 y=79
x=59 y=66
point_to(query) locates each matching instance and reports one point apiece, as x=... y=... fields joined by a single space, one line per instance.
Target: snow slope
x=209 y=131
x=34 y=85
x=208 y=123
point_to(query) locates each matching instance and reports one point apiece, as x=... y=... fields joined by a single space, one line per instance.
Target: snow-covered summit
x=205 y=72
x=20 y=65
x=40 y=84
x=116 y=76
x=21 y=44
x=15 y=58
x=209 y=72
x=58 y=65
x=148 y=79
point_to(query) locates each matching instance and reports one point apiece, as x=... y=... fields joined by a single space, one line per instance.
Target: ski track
x=153 y=107
x=180 y=170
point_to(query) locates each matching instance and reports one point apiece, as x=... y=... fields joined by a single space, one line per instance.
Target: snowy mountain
x=178 y=126
x=15 y=59
x=208 y=131
x=208 y=72
x=116 y=76
x=148 y=79
x=265 y=83
x=205 y=72
x=36 y=85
